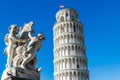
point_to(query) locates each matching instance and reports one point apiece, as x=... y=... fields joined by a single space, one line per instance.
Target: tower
x=70 y=61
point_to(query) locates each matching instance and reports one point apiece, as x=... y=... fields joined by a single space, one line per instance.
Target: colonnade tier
x=69 y=38
x=64 y=72
x=70 y=45
x=71 y=58
x=67 y=15
x=76 y=48
x=60 y=25
x=66 y=63
x=69 y=35
x=72 y=75
x=67 y=27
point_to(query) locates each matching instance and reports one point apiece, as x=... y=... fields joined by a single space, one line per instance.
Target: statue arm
x=30 y=36
x=14 y=39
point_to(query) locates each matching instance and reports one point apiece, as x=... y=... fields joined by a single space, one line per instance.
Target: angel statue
x=21 y=49
x=12 y=42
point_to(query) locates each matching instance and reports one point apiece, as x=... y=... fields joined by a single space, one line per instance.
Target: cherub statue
x=33 y=46
x=21 y=48
x=11 y=41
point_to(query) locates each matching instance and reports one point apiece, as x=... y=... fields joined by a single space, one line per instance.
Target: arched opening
x=72 y=39
x=74 y=63
x=78 y=66
x=72 y=52
x=74 y=27
x=66 y=14
x=75 y=77
x=68 y=38
x=67 y=27
x=70 y=27
x=72 y=17
x=69 y=63
x=62 y=18
x=65 y=38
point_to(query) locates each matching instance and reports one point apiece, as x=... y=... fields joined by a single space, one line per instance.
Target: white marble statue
x=21 y=49
x=33 y=46
x=12 y=42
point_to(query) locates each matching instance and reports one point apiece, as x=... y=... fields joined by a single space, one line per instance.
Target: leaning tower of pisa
x=70 y=61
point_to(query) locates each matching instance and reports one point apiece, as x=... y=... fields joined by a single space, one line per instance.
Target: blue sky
x=101 y=20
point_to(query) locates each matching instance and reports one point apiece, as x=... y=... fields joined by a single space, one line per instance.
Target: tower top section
x=67 y=14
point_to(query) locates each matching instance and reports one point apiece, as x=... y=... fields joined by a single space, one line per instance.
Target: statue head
x=13 y=29
x=41 y=36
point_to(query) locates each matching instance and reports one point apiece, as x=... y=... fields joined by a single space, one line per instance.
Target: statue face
x=13 y=29
x=41 y=36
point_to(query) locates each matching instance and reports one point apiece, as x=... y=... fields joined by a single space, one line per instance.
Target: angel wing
x=26 y=28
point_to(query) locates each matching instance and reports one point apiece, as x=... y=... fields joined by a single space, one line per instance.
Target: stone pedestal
x=21 y=49
x=16 y=78
x=20 y=74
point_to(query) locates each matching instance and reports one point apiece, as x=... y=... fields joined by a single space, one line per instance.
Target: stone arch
x=70 y=74
x=79 y=76
x=62 y=40
x=77 y=39
x=55 y=42
x=74 y=61
x=65 y=50
x=63 y=28
x=68 y=50
x=67 y=63
x=82 y=75
x=60 y=64
x=66 y=14
x=78 y=66
x=65 y=38
x=74 y=27
x=74 y=38
x=64 y=76
x=67 y=27
x=57 y=55
x=73 y=49
x=62 y=52
x=71 y=27
x=59 y=52
x=58 y=40
x=74 y=76
x=68 y=38
x=70 y=65
x=77 y=28
x=62 y=18
x=71 y=38
x=76 y=51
